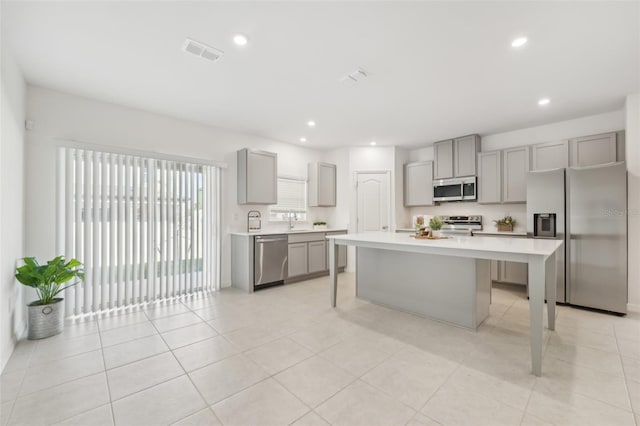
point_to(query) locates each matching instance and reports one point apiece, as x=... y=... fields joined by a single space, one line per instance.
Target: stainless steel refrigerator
x=586 y=208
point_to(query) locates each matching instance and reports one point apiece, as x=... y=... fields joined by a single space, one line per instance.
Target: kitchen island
x=448 y=279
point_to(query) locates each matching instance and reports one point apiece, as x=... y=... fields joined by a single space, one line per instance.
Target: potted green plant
x=505 y=224
x=46 y=315
x=319 y=224
x=435 y=224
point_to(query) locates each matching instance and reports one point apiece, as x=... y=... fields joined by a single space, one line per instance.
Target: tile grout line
x=104 y=363
x=624 y=375
x=185 y=374
x=24 y=375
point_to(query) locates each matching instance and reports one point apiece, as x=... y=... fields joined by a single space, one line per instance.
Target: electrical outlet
x=236 y=216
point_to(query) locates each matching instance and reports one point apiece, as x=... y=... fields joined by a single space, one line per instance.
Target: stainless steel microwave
x=459 y=189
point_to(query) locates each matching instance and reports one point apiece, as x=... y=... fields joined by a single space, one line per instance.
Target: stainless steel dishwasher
x=270 y=265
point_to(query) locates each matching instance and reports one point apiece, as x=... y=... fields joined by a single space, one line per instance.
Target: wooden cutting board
x=427 y=237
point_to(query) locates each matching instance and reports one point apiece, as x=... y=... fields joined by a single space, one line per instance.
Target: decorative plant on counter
x=435 y=223
x=46 y=315
x=319 y=224
x=505 y=224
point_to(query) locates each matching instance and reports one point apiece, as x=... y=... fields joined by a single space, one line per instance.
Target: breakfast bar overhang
x=462 y=293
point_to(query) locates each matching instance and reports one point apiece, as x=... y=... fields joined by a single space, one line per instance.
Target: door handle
x=384 y=228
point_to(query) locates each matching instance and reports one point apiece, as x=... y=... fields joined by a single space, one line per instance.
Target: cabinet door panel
x=514 y=272
x=316 y=255
x=342 y=256
x=297 y=259
x=326 y=184
x=495 y=275
x=593 y=150
x=551 y=155
x=515 y=169
x=262 y=178
x=418 y=184
x=443 y=159
x=465 y=152
x=489 y=177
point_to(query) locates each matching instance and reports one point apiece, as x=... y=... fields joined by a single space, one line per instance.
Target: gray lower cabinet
x=509 y=272
x=298 y=254
x=257 y=177
x=550 y=155
x=593 y=150
x=342 y=256
x=309 y=253
x=317 y=256
x=418 y=184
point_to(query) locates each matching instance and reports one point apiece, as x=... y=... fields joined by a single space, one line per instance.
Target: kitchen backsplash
x=489 y=212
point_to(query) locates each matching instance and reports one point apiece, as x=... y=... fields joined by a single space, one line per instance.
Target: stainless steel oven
x=459 y=189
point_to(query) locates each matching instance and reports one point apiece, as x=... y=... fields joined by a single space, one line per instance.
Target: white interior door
x=373 y=201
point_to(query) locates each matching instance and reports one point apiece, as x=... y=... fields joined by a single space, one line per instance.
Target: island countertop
x=464 y=246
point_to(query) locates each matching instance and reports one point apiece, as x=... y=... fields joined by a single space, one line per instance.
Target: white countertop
x=486 y=247
x=501 y=234
x=295 y=231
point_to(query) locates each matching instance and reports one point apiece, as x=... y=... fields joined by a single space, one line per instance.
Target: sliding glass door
x=145 y=228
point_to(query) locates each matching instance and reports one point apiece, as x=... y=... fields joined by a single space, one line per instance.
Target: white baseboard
x=633 y=307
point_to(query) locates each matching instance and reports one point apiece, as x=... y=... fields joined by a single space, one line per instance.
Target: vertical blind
x=145 y=228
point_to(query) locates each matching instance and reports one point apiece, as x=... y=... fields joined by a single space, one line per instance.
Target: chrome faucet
x=293 y=216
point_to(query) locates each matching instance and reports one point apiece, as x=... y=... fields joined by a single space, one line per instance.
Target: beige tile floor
x=282 y=356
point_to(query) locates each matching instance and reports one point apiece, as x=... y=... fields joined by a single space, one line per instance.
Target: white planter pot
x=436 y=234
x=319 y=227
x=45 y=320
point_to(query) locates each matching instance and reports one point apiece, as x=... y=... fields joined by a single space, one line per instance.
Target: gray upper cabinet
x=502 y=176
x=550 y=155
x=257 y=177
x=593 y=150
x=490 y=177
x=322 y=184
x=465 y=151
x=443 y=159
x=418 y=184
x=515 y=166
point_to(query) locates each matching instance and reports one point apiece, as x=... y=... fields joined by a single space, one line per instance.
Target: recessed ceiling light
x=240 y=39
x=311 y=123
x=544 y=101
x=519 y=42
x=303 y=139
x=372 y=143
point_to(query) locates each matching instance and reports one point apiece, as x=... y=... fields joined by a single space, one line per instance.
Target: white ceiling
x=438 y=69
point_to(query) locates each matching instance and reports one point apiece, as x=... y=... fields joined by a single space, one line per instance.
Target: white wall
x=58 y=116
x=632 y=127
x=12 y=116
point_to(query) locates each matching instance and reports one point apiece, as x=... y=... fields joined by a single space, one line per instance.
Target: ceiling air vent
x=202 y=50
x=354 y=77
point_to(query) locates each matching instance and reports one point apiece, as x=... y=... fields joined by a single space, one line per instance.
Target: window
x=144 y=228
x=292 y=199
